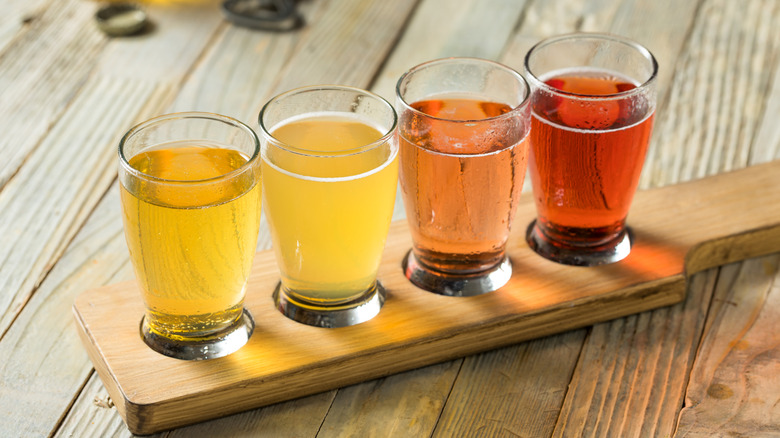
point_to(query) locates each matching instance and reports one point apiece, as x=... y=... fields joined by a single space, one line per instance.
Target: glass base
x=354 y=312
x=456 y=285
x=217 y=345
x=610 y=252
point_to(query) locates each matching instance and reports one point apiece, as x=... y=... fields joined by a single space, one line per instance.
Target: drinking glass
x=330 y=166
x=463 y=129
x=190 y=193
x=593 y=103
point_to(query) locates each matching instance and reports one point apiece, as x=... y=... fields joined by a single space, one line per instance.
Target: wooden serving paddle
x=679 y=230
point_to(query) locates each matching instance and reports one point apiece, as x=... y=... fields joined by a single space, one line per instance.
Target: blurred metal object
x=121 y=19
x=274 y=15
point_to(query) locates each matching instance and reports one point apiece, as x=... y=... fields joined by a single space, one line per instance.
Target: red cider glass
x=592 y=108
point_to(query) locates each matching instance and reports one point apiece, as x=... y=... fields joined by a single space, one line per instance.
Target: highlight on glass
x=593 y=104
x=190 y=194
x=463 y=130
x=330 y=166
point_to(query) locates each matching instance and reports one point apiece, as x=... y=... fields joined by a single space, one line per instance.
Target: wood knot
x=719 y=391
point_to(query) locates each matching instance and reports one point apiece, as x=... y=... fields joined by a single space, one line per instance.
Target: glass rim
x=123 y=161
x=597 y=37
x=386 y=136
x=455 y=59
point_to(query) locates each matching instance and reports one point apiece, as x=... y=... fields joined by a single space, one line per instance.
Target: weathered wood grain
x=346 y=44
x=93 y=414
x=543 y=19
x=88 y=414
x=515 y=391
x=236 y=74
x=409 y=404
x=42 y=68
x=297 y=418
x=766 y=144
x=627 y=381
x=474 y=29
x=17 y=17
x=43 y=363
x=717 y=93
x=181 y=31
x=735 y=381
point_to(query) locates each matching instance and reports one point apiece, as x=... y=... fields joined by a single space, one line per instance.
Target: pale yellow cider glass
x=331 y=168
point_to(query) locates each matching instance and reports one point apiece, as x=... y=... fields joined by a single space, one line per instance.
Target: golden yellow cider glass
x=192 y=250
x=329 y=217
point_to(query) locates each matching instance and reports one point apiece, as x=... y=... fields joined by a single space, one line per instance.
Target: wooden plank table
x=705 y=367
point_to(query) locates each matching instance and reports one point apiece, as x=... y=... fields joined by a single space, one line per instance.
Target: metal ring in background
x=121 y=19
x=273 y=15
